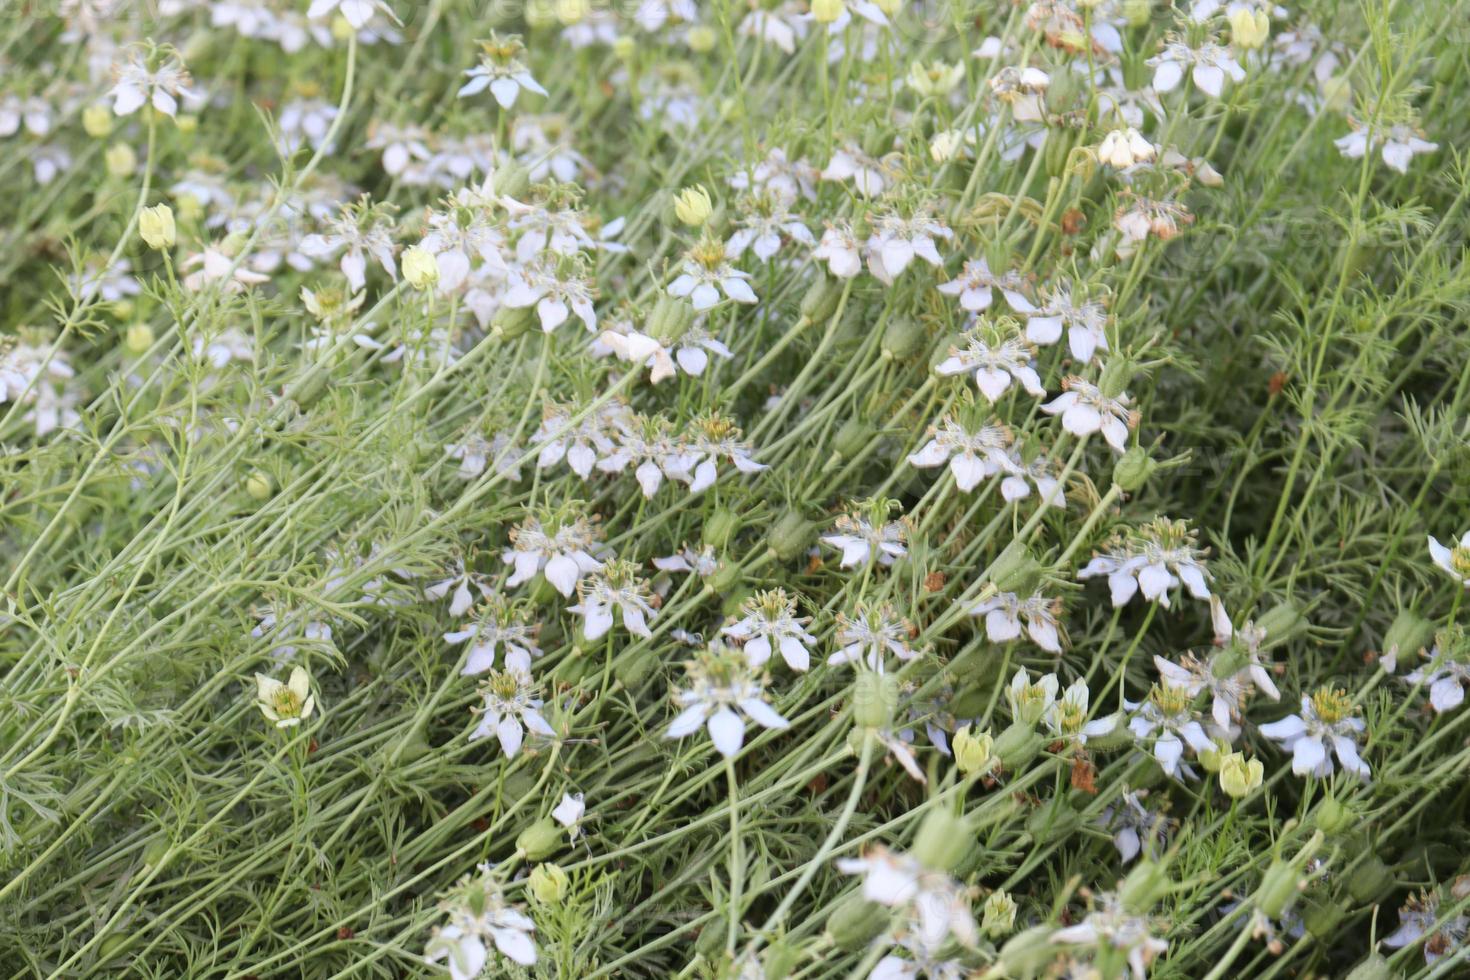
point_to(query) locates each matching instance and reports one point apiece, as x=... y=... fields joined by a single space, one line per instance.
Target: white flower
x=782 y=27
x=580 y=444
x=1168 y=717
x=475 y=453
x=356 y=12
x=1122 y=148
x=870 y=176
x=288 y=704
x=499 y=624
x=994 y=355
x=779 y=177
x=1158 y=558
x=1030 y=702
x=565 y=554
x=569 y=812
x=1086 y=323
x=690 y=353
x=841 y=250
x=1024 y=90
x=1085 y=410
x=1111 y=925
x=702 y=563
x=657 y=452
x=1417 y=922
x=896 y=241
x=555 y=296
x=1209 y=65
x=462 y=598
x=972 y=455
x=1003 y=614
x=1455 y=560
x=861 y=540
x=1400 y=144
x=762 y=233
x=721 y=689
x=162 y=85
x=616 y=587
x=870 y=635
x=502 y=72
x=975 y=285
x=706 y=274
x=936 y=904
x=716 y=437
x=214 y=266
x=478 y=915
x=770 y=622
x=1066 y=718
x=509 y=703
x=1326 y=722
x=1446 y=681
x=360 y=231
x=1135 y=829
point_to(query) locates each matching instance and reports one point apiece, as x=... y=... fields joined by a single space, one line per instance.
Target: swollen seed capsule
x=1370 y=881
x=540 y=840
x=1145 y=886
x=1375 y=967
x=902 y=338
x=874 y=699
x=670 y=319
x=1278 y=889
x=510 y=322
x=789 y=535
x=942 y=841
x=1132 y=471
x=855 y=922
x=1017 y=746
x=853 y=438
x=721 y=526
x=820 y=300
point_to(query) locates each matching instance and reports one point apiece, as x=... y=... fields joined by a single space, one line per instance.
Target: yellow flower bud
x=156 y=225
x=624 y=47
x=827 y=11
x=138 y=338
x=258 y=485
x=186 y=123
x=1212 y=757
x=342 y=30
x=1337 y=94
x=999 y=914
x=548 y=884
x=121 y=160
x=889 y=7
x=702 y=39
x=1239 y=777
x=97 y=121
x=973 y=753
x=1249 y=28
x=571 y=12
x=692 y=206
x=419 y=267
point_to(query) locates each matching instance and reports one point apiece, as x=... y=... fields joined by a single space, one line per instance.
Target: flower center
x=1332 y=705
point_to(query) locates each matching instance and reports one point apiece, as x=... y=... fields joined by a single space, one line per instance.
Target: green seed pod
x=903 y=337
x=821 y=299
x=789 y=535
x=942 y=841
x=1027 y=953
x=874 y=699
x=1138 y=12
x=855 y=922
x=511 y=179
x=540 y=840
x=711 y=941
x=1323 y=919
x=720 y=527
x=111 y=946
x=1052 y=822
x=1278 y=889
x=509 y=323
x=1058 y=146
x=1375 y=967
x=1017 y=746
x=779 y=960
x=853 y=438
x=1116 y=375
x=670 y=318
x=632 y=670
x=727 y=578
x=156 y=852
x=1132 y=471
x=1014 y=570
x=1370 y=881
x=1282 y=622
x=1145 y=886
x=1331 y=817
x=1408 y=636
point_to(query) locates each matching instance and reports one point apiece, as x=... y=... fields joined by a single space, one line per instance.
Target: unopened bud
x=121 y=160
x=97 y=121
x=997 y=914
x=692 y=206
x=902 y=338
x=1249 y=28
x=974 y=754
x=1408 y=637
x=510 y=322
x=789 y=535
x=855 y=922
x=826 y=11
x=420 y=268
x=138 y=338
x=156 y=226
x=1017 y=746
x=548 y=884
x=1278 y=889
x=701 y=38
x=1239 y=776
x=258 y=485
